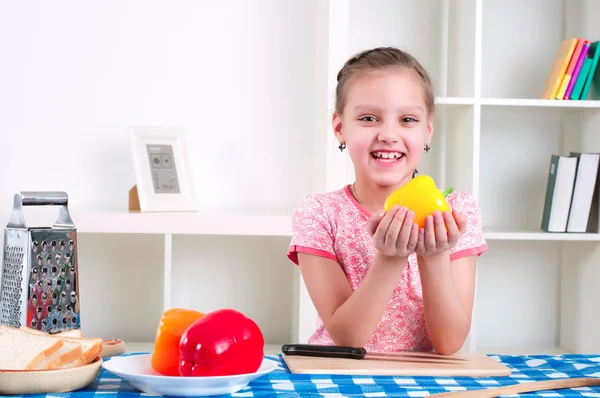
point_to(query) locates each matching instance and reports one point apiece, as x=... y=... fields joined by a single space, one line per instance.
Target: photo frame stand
x=133 y=203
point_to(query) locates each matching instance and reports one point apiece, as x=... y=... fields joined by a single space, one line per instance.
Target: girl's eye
x=367 y=119
x=408 y=119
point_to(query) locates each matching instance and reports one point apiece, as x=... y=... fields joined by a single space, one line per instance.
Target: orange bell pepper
x=421 y=196
x=173 y=323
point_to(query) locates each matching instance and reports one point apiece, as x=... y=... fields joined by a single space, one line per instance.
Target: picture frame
x=164 y=180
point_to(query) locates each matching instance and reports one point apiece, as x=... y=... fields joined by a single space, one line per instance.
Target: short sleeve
x=312 y=231
x=472 y=241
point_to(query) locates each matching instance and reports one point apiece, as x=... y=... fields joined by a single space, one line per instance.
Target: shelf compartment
x=516 y=146
x=121 y=281
x=516 y=62
x=442 y=34
x=250 y=274
x=517 y=303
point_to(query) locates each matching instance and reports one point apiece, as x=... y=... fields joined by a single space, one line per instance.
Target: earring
x=342 y=147
x=427 y=148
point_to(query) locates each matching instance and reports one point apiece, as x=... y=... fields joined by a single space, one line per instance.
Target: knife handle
x=328 y=351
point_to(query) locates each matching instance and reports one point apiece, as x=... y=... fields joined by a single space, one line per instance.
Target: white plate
x=137 y=370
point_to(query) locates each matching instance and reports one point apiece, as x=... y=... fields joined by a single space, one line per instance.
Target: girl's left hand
x=441 y=232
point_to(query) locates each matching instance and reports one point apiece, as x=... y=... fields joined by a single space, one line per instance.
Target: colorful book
x=581 y=79
x=559 y=67
x=570 y=69
x=594 y=54
x=573 y=80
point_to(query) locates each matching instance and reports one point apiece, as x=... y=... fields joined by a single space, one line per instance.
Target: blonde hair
x=379 y=58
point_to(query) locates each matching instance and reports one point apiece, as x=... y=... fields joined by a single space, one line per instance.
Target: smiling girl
x=376 y=279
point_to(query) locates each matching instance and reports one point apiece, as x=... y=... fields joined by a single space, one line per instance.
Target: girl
x=376 y=279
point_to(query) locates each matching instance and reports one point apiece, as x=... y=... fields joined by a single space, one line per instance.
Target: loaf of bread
x=29 y=349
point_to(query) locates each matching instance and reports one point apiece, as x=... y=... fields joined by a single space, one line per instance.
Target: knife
x=336 y=351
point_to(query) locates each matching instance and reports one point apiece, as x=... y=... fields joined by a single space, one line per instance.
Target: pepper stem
x=447 y=191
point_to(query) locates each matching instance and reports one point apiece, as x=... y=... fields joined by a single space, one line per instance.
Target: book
x=561 y=62
x=578 y=65
x=594 y=54
x=559 y=192
x=581 y=79
x=570 y=69
x=583 y=190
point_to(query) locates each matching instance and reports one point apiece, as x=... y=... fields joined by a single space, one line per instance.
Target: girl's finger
x=381 y=231
x=405 y=231
x=429 y=234
x=451 y=226
x=421 y=241
x=461 y=221
x=413 y=238
x=391 y=237
x=441 y=235
x=373 y=222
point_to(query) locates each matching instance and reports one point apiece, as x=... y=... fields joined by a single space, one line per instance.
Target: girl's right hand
x=394 y=234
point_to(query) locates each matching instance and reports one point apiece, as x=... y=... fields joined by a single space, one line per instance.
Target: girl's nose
x=388 y=134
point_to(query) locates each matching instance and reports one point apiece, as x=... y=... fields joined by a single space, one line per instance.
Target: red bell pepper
x=221 y=343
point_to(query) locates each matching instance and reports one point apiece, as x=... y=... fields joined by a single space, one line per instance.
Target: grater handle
x=30 y=198
x=34 y=198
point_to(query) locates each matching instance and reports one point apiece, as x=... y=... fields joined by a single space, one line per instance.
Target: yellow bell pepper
x=421 y=196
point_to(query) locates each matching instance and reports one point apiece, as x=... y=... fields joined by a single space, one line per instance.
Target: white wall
x=237 y=75
x=77 y=73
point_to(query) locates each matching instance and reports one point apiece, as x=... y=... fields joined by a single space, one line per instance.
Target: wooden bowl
x=19 y=382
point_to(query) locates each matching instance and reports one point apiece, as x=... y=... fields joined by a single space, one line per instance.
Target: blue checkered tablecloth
x=281 y=383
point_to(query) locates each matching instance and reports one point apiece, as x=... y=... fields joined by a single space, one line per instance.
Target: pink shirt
x=333 y=225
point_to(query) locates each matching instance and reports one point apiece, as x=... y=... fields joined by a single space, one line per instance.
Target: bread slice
x=25 y=351
x=69 y=352
x=90 y=349
x=75 y=351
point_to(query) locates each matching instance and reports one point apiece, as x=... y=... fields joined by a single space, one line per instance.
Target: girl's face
x=385 y=125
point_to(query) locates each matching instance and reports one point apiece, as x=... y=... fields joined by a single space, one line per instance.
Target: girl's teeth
x=387 y=156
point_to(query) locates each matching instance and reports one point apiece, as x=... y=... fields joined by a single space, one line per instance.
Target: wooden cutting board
x=476 y=365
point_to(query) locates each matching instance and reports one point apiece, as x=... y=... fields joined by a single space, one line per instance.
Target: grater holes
x=53 y=245
x=11 y=289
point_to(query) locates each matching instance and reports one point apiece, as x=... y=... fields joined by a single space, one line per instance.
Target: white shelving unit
x=489 y=60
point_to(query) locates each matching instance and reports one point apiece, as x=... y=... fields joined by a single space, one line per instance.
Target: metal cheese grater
x=39 y=287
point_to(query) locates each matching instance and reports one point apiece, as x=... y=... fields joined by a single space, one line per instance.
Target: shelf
x=458 y=101
x=254 y=225
x=538 y=103
x=532 y=234
x=182 y=223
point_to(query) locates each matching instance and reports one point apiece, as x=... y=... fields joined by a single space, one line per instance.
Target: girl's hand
x=441 y=232
x=395 y=234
